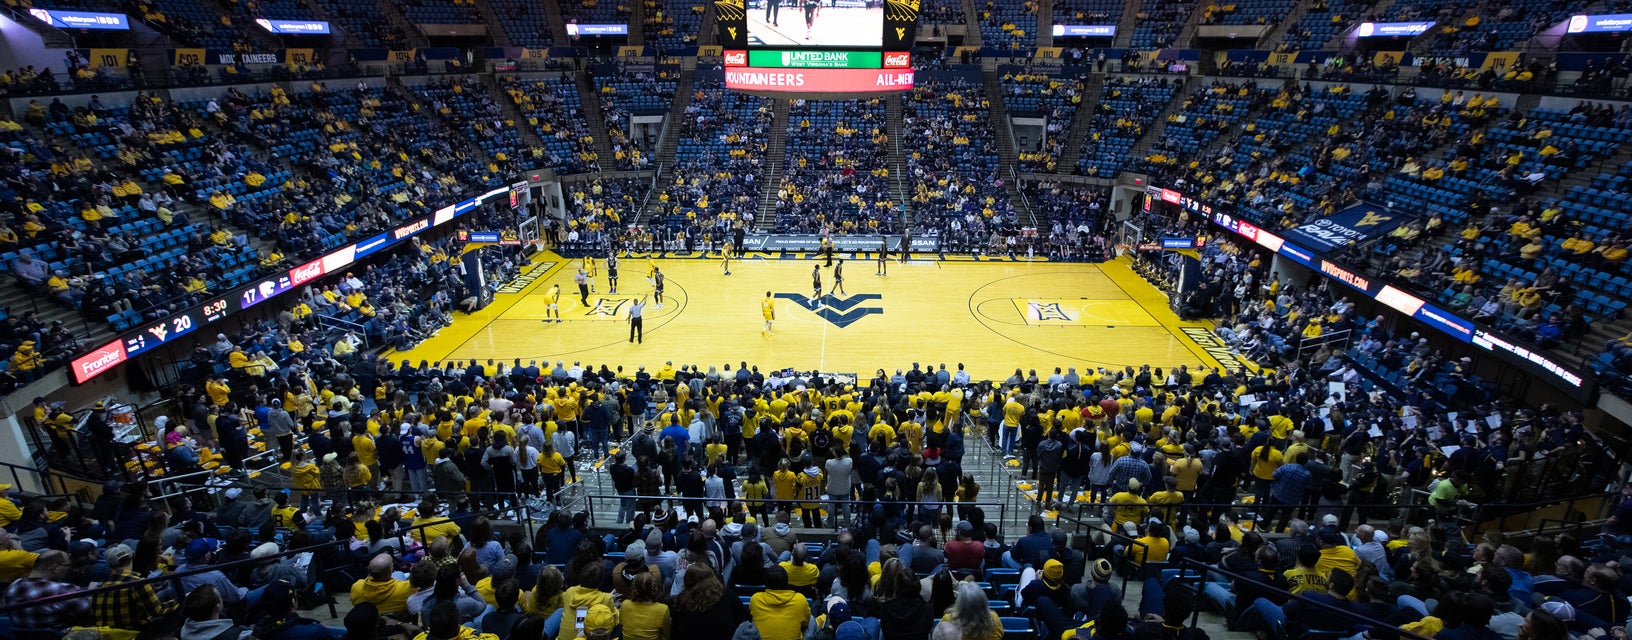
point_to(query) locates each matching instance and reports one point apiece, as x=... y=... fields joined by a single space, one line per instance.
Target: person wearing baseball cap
x=136 y=608
x=199 y=553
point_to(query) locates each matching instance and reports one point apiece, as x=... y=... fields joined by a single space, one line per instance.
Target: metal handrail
x=1109 y=531
x=1201 y=582
x=1002 y=507
x=7 y=608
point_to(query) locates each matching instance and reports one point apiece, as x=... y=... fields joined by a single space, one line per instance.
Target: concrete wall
x=110 y=98
x=21 y=47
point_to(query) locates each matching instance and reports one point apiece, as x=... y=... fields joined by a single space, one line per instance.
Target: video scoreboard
x=818 y=46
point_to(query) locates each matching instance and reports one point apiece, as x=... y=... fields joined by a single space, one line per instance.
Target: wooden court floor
x=993 y=316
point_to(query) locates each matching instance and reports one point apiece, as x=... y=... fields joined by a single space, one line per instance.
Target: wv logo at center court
x=839 y=311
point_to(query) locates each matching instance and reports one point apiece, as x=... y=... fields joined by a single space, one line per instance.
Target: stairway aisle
x=1006 y=157
x=672 y=125
x=395 y=17
x=1292 y=17
x=558 y=24
x=1160 y=125
x=495 y=29
x=899 y=180
x=1092 y=89
x=1124 y=28
x=529 y=134
x=591 y=98
x=775 y=155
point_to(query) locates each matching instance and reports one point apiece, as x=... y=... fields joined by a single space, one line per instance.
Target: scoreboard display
x=839 y=47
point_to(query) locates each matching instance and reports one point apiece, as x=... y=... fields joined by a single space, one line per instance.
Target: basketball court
x=993 y=315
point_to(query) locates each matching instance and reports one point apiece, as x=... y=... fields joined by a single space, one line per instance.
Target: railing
x=831 y=521
x=1474 y=520
x=1114 y=535
x=1324 y=339
x=1203 y=570
x=403 y=536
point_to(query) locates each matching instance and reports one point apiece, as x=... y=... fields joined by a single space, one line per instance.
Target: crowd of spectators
x=718 y=160
x=626 y=91
x=1075 y=228
x=1127 y=108
x=555 y=111
x=958 y=193
x=1027 y=92
x=837 y=175
x=715 y=472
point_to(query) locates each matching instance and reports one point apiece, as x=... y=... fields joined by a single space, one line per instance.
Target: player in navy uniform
x=811 y=6
x=773 y=8
x=612 y=271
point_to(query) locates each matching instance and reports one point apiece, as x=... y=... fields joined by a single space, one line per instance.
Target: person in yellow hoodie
x=306 y=477
x=26 y=360
x=778 y=612
x=389 y=595
x=428 y=526
x=586 y=598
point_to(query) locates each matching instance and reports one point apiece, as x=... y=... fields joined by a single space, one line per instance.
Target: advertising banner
x=819 y=80
x=1084 y=30
x=816 y=59
x=1392 y=29
x=575 y=30
x=82 y=19
x=294 y=27
x=1359 y=223
x=1607 y=23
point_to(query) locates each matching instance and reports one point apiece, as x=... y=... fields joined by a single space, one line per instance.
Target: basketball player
x=589 y=270
x=553 y=298
x=729 y=251
x=816 y=283
x=767 y=308
x=883 y=256
x=657 y=286
x=651 y=271
x=838 y=277
x=773 y=8
x=811 y=7
x=637 y=327
x=583 y=286
x=612 y=271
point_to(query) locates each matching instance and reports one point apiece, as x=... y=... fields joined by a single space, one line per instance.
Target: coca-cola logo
x=305 y=272
x=96 y=362
x=897 y=60
x=736 y=58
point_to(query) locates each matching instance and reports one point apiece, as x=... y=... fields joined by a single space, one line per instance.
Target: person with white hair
x=970 y=617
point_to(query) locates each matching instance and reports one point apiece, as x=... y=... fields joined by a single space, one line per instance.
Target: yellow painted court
x=992 y=315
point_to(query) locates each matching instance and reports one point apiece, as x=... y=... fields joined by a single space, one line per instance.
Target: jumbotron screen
x=816 y=23
x=817 y=47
